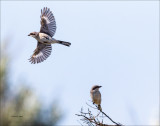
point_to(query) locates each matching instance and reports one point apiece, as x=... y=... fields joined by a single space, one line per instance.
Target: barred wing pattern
x=48 y=23
x=41 y=53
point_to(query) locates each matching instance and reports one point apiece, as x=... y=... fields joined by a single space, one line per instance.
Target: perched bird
x=44 y=37
x=96 y=96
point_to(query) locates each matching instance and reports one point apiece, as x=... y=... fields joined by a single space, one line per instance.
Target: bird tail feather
x=64 y=43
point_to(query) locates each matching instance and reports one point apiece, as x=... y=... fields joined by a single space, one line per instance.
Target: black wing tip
x=45 y=8
x=32 y=60
x=37 y=61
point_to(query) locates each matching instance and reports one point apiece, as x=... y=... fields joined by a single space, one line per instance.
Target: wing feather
x=41 y=53
x=48 y=23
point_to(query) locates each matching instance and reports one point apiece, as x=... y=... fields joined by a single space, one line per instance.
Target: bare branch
x=91 y=120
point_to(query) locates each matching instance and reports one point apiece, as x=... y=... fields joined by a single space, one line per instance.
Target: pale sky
x=115 y=44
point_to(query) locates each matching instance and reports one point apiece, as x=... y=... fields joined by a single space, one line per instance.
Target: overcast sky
x=114 y=44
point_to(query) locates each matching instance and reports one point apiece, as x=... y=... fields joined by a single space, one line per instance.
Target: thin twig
x=91 y=120
x=90 y=106
x=118 y=124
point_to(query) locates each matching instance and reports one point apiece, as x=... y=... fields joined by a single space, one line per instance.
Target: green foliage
x=22 y=108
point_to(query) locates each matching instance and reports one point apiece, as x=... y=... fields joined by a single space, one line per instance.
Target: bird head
x=96 y=87
x=33 y=34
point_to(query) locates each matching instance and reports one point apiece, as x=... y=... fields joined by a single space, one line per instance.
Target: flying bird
x=96 y=95
x=44 y=37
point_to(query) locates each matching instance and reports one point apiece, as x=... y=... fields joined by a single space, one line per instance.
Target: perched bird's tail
x=64 y=43
x=99 y=107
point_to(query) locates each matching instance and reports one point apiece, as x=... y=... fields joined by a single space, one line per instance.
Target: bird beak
x=29 y=35
x=100 y=86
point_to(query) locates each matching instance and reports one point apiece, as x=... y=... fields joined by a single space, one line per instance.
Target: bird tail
x=99 y=107
x=64 y=43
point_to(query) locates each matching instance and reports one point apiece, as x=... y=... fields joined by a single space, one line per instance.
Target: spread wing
x=48 y=23
x=41 y=53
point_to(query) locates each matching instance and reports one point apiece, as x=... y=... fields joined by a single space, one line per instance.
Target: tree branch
x=91 y=120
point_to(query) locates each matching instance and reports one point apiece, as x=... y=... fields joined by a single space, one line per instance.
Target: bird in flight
x=44 y=37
